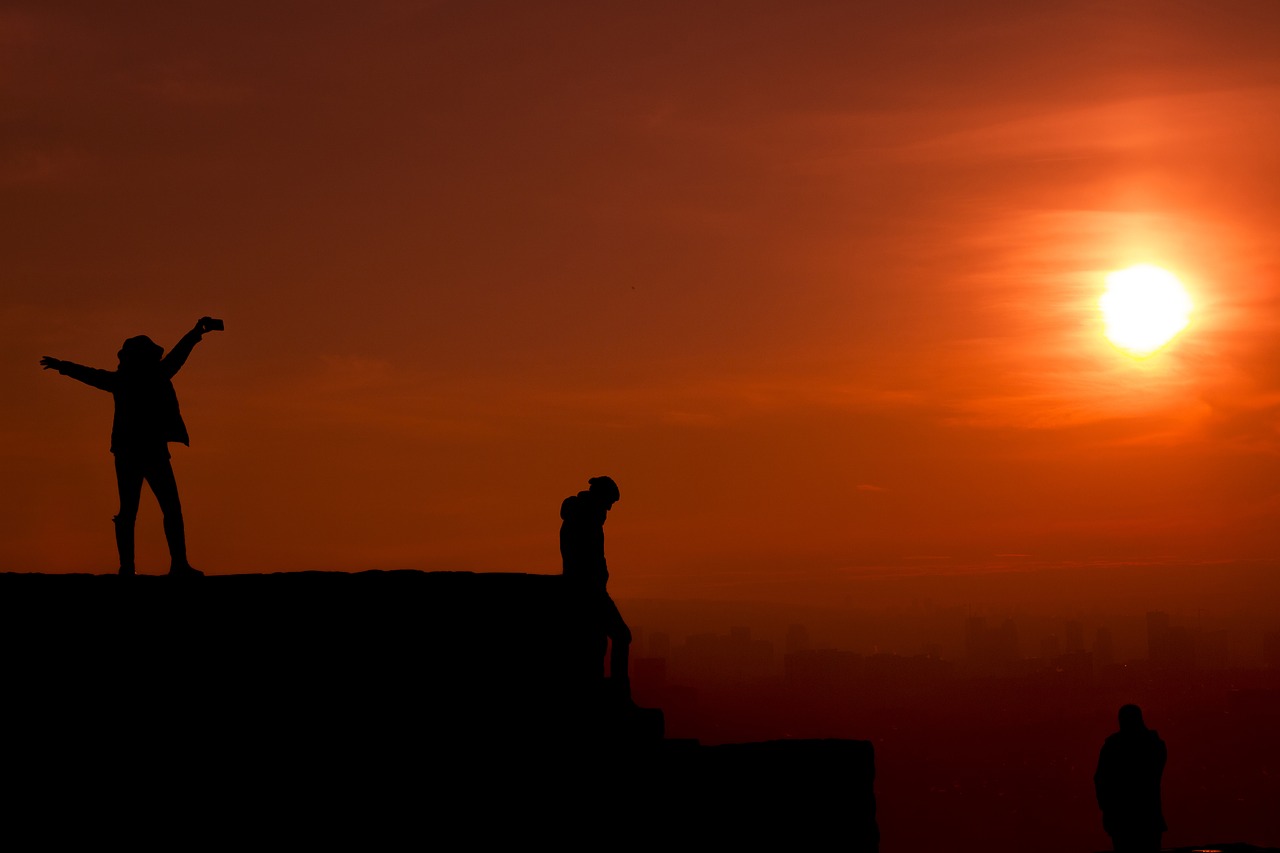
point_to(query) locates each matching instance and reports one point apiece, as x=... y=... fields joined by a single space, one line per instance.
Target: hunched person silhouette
x=146 y=420
x=582 y=555
x=1127 y=784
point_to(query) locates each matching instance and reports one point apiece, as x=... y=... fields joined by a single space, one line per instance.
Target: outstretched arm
x=102 y=379
x=176 y=357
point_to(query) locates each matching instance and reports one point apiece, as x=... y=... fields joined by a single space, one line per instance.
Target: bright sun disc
x=1144 y=307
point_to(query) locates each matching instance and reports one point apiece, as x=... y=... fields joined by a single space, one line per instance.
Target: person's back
x=1127 y=784
x=582 y=518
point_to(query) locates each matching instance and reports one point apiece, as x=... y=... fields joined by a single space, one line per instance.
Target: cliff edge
x=373 y=705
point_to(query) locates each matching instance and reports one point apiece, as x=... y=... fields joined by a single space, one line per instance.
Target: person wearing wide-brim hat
x=146 y=420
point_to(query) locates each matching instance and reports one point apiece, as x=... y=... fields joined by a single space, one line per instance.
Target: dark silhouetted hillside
x=369 y=708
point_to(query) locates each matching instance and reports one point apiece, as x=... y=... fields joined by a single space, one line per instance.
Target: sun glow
x=1144 y=308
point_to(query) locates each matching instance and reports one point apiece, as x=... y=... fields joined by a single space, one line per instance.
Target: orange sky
x=816 y=283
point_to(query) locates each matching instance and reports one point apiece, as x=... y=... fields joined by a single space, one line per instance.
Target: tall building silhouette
x=797 y=639
x=990 y=650
x=1074 y=636
x=1104 y=654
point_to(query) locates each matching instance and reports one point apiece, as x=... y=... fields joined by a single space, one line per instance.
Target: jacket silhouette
x=582 y=518
x=146 y=419
x=1127 y=784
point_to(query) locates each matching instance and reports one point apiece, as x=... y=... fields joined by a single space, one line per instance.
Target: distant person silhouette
x=582 y=554
x=1128 y=785
x=146 y=420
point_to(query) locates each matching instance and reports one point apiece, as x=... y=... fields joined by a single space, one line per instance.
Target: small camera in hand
x=211 y=325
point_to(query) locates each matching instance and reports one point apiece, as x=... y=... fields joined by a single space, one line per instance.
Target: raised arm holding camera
x=146 y=419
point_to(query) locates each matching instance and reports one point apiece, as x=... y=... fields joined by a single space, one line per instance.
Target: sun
x=1144 y=308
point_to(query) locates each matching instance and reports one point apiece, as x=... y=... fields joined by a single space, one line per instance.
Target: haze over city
x=884 y=317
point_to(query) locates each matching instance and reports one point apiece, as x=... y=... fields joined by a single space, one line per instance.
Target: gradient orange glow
x=816 y=283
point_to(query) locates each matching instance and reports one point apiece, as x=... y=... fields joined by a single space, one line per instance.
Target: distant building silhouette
x=990 y=651
x=735 y=657
x=1104 y=653
x=797 y=639
x=1170 y=649
x=1075 y=636
x=1271 y=649
x=822 y=668
x=1177 y=650
x=649 y=675
x=1157 y=632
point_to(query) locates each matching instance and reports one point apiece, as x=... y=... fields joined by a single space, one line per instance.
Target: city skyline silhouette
x=932 y=348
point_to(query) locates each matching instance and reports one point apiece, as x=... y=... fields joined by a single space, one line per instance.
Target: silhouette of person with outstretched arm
x=582 y=553
x=146 y=420
x=1128 y=785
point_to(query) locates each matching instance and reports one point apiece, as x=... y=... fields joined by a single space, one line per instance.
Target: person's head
x=1131 y=719
x=605 y=490
x=139 y=351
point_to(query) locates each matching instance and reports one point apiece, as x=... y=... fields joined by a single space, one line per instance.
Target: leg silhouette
x=619 y=636
x=129 y=483
x=165 y=487
x=158 y=474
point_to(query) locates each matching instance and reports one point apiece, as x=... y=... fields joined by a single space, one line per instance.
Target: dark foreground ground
x=370 y=708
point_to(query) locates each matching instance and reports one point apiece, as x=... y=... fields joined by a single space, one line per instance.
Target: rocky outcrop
x=373 y=706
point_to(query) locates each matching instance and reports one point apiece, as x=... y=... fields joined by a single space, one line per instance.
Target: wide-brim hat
x=140 y=349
